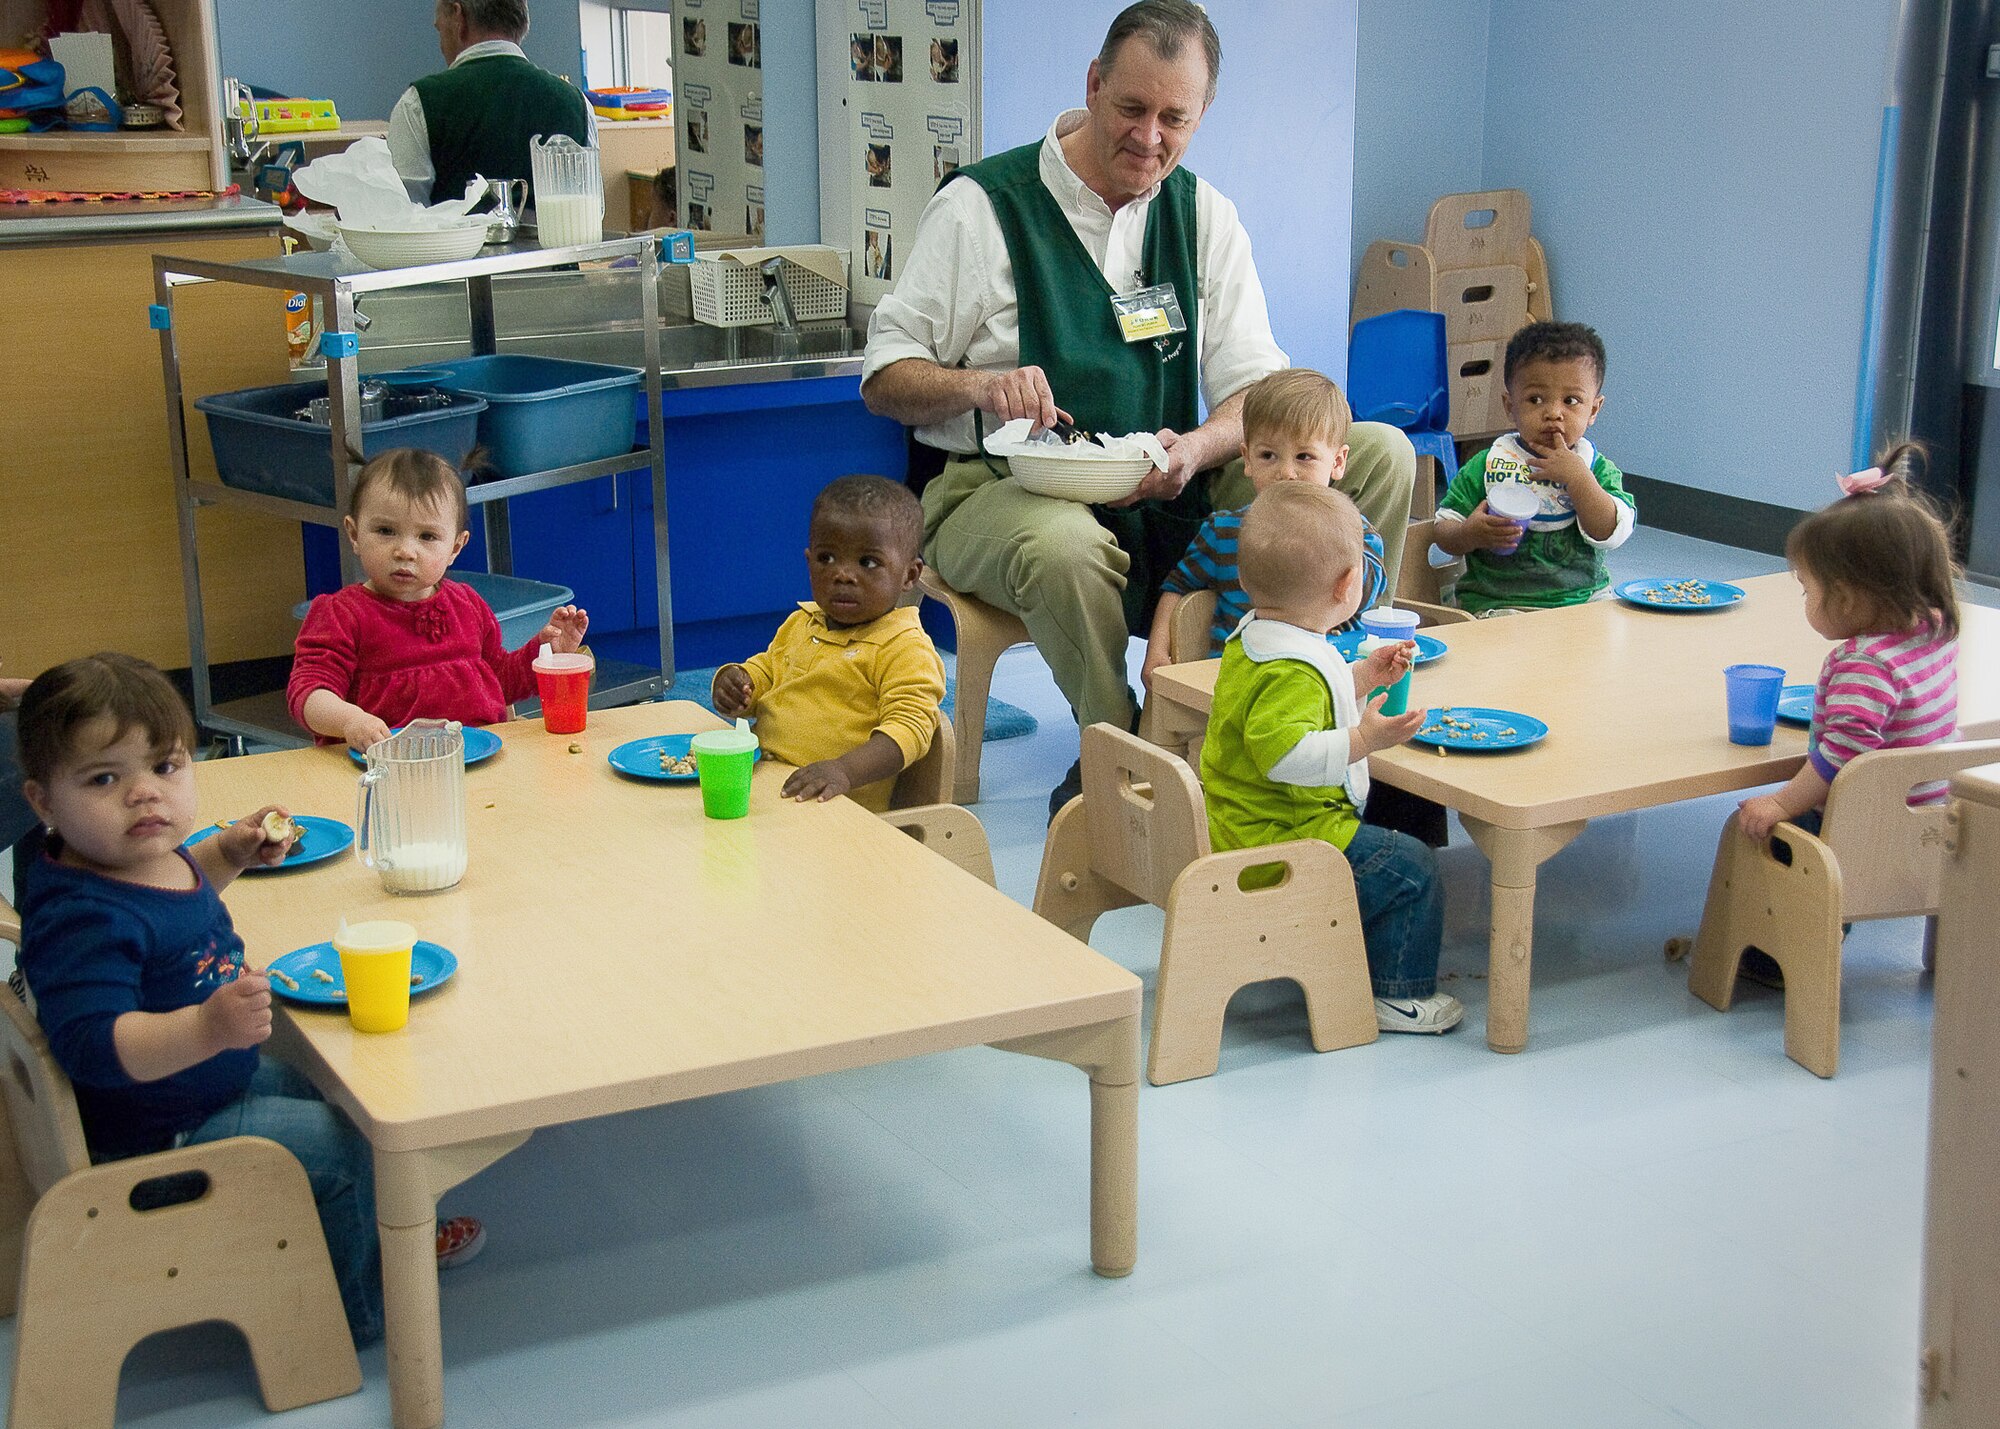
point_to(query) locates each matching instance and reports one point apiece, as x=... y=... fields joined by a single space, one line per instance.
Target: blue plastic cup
x=1753 y=701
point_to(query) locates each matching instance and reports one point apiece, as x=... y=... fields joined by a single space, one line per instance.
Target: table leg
x=1109 y=1052
x=1515 y=855
x=407 y=1187
x=1172 y=725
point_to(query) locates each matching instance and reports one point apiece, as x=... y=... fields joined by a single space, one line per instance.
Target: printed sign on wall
x=719 y=115
x=911 y=83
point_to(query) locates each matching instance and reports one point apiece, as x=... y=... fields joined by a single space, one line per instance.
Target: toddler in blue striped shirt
x=1294 y=429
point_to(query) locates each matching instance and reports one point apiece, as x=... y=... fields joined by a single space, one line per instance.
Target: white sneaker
x=1440 y=1012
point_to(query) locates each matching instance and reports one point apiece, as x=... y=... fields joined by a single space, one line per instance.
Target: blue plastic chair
x=1396 y=374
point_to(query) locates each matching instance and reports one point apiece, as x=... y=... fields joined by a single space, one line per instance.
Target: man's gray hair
x=496 y=17
x=1166 y=26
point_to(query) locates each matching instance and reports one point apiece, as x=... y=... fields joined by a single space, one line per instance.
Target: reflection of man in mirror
x=694 y=37
x=878 y=166
x=967 y=341
x=889 y=58
x=944 y=61
x=861 y=53
x=477 y=115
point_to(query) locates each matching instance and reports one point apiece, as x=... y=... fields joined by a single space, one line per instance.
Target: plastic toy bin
x=522 y=607
x=261 y=445
x=546 y=412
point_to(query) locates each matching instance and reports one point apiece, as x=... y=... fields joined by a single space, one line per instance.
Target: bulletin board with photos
x=913 y=83
x=719 y=115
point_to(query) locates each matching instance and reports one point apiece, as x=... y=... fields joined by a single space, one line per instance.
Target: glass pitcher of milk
x=410 y=827
x=569 y=192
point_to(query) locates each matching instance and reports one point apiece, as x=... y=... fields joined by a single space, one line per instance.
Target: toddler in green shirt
x=1286 y=754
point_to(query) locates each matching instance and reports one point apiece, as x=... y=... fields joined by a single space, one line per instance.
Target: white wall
x=1420 y=93
x=1703 y=178
x=1278 y=141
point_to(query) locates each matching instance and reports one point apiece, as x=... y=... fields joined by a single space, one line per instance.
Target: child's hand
x=1386 y=665
x=828 y=779
x=1760 y=815
x=1156 y=658
x=1484 y=531
x=245 y=842
x=564 y=632
x=1380 y=731
x=363 y=729
x=733 y=693
x=1559 y=464
x=237 y=1014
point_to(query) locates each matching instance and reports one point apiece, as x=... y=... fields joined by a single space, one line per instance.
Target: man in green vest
x=1006 y=307
x=477 y=116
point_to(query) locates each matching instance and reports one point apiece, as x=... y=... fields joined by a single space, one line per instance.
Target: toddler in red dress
x=407 y=643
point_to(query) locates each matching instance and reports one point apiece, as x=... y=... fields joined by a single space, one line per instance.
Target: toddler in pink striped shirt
x=1878 y=576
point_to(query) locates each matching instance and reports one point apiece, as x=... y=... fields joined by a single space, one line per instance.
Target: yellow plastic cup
x=375 y=965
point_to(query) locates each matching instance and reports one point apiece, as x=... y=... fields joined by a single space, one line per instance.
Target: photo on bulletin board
x=889 y=59
x=700 y=218
x=878 y=166
x=861 y=54
x=753 y=220
x=876 y=261
x=694 y=37
x=753 y=145
x=946 y=162
x=743 y=44
x=944 y=61
x=697 y=131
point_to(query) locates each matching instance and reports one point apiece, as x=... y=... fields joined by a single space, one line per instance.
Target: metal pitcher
x=410 y=823
x=510 y=201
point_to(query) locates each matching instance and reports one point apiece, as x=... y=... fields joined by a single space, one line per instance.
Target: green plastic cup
x=723 y=759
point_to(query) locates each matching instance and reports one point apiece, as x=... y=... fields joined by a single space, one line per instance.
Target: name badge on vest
x=1148 y=314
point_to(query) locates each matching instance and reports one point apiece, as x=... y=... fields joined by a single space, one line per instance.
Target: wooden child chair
x=1420 y=585
x=985 y=633
x=1139 y=834
x=1876 y=856
x=97 y=1276
x=921 y=808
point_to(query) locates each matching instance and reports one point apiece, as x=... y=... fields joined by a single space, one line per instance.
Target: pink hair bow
x=1861 y=483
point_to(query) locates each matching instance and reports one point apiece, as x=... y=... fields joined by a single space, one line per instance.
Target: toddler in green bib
x=1554 y=376
x=1289 y=735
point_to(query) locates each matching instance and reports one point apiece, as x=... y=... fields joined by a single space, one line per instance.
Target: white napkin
x=1013 y=440
x=362 y=184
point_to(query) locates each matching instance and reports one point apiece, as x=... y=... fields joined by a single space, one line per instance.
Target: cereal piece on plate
x=286 y=978
x=322 y=975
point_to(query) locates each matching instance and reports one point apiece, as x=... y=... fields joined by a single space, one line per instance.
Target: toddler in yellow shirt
x=850 y=687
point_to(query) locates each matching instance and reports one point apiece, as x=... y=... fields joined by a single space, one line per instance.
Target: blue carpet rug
x=1003 y=721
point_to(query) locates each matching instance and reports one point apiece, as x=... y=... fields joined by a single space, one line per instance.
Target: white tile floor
x=1649 y=1219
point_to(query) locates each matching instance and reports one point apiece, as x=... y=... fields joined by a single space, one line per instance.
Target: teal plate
x=1348 y=643
x=430 y=964
x=640 y=758
x=1479 y=730
x=1682 y=594
x=1795 y=704
x=319 y=839
x=480 y=746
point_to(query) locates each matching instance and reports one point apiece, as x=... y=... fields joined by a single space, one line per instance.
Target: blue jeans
x=284 y=1107
x=1402 y=910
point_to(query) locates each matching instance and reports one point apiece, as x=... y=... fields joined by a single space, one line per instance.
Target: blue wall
x=361 y=54
x=1278 y=140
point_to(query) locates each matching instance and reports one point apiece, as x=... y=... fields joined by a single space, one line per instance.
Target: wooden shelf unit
x=134 y=159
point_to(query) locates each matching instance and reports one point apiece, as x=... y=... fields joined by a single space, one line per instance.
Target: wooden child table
x=617 y=950
x=1634 y=703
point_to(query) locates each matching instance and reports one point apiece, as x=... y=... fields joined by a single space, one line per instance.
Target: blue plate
x=319 y=839
x=1429 y=647
x=640 y=758
x=1679 y=593
x=1478 y=729
x=429 y=963
x=480 y=745
x=1795 y=704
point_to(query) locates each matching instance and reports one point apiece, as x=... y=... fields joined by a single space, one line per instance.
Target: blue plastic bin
x=546 y=412
x=260 y=445
x=523 y=607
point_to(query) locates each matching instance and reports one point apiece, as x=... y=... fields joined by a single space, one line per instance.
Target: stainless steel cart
x=338 y=283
